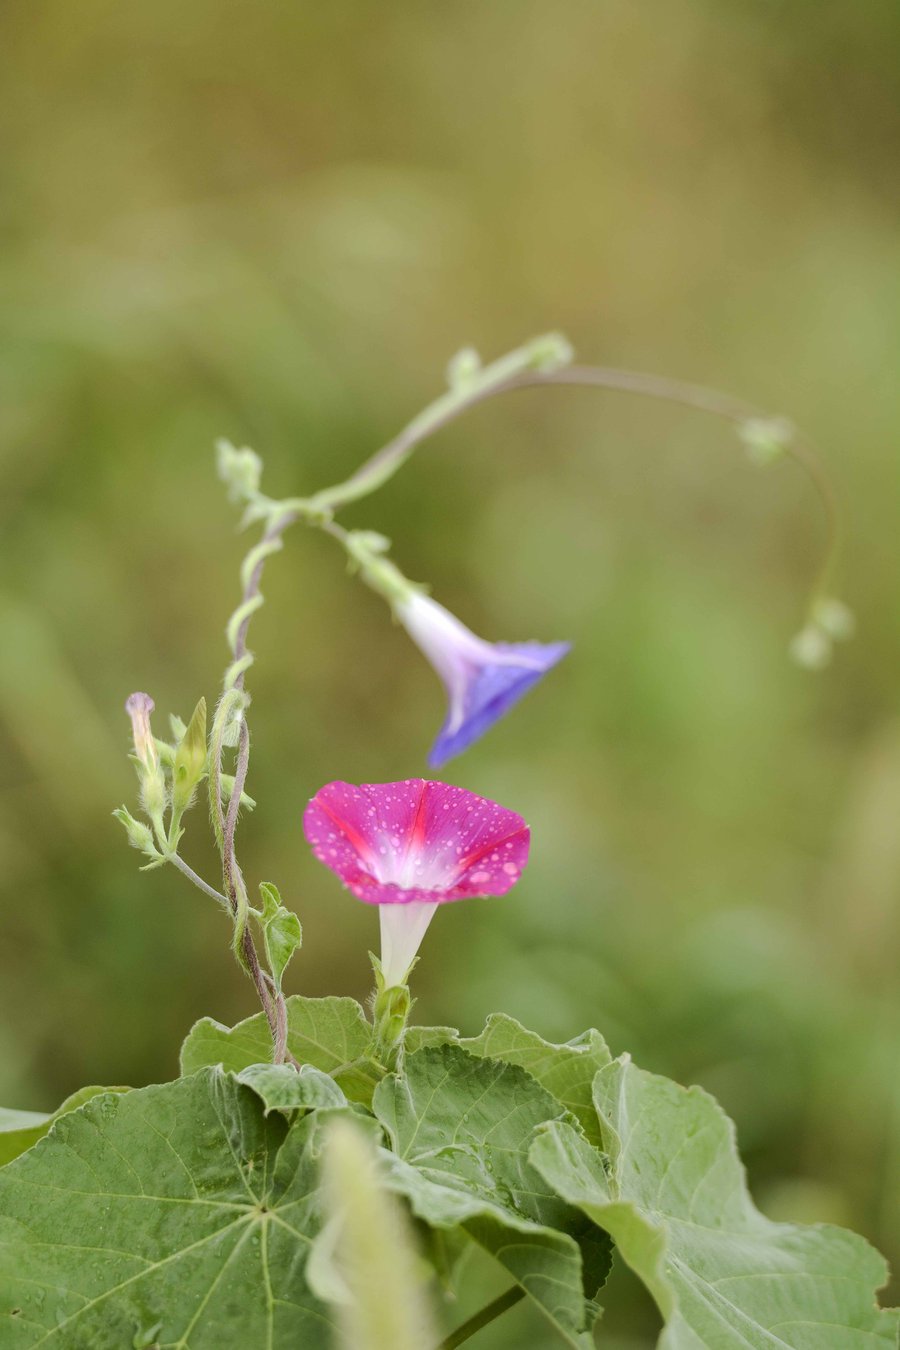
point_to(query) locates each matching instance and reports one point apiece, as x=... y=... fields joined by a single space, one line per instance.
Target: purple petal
x=491 y=690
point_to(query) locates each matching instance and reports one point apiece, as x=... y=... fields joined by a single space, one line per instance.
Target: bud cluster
x=169 y=773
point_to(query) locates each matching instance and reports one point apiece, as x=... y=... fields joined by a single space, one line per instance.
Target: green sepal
x=140 y=836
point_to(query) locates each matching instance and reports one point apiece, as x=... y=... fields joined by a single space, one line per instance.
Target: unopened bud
x=190 y=759
x=139 y=707
x=551 y=352
x=239 y=470
x=463 y=369
x=835 y=618
x=811 y=648
x=766 y=438
x=140 y=836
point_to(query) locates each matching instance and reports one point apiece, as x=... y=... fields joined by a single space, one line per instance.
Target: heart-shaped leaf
x=175 y=1216
x=672 y=1193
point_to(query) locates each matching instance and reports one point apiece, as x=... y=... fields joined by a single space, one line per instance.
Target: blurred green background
x=276 y=223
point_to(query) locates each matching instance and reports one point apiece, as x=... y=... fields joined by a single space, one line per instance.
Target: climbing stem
x=523 y=370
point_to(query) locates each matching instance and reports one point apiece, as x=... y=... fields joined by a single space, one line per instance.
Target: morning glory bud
x=483 y=679
x=153 y=786
x=239 y=470
x=463 y=370
x=190 y=759
x=140 y=836
x=766 y=438
x=811 y=648
x=139 y=707
x=835 y=618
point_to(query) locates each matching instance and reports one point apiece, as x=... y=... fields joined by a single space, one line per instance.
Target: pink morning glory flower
x=409 y=847
x=483 y=679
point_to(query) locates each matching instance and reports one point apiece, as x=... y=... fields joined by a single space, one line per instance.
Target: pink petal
x=392 y=843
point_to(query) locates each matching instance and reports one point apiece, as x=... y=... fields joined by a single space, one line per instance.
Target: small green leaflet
x=674 y=1198
x=460 y=1128
x=282 y=934
x=567 y=1071
x=332 y=1034
x=20 y=1129
x=182 y=1213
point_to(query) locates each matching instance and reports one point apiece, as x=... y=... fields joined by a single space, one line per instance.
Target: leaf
x=567 y=1071
x=282 y=934
x=332 y=1034
x=674 y=1198
x=460 y=1128
x=19 y=1130
x=178 y=1216
x=417 y=1038
x=281 y=1088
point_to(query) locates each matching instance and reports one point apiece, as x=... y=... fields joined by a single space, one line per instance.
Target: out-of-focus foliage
x=276 y=223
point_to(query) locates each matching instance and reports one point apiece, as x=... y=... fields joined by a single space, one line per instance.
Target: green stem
x=542 y=354
x=521 y=370
x=198 y=881
x=233 y=704
x=481 y=1319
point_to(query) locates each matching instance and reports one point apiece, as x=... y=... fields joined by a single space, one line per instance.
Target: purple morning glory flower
x=483 y=679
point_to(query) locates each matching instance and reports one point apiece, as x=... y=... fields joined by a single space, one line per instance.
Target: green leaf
x=460 y=1128
x=567 y=1071
x=19 y=1130
x=178 y=1216
x=282 y=1088
x=417 y=1038
x=332 y=1034
x=673 y=1195
x=282 y=934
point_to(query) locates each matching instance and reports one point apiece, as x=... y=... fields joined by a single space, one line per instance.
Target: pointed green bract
x=332 y=1034
x=567 y=1071
x=460 y=1128
x=180 y=1213
x=19 y=1130
x=672 y=1194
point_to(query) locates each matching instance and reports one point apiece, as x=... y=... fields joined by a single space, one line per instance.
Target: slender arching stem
x=481 y=1319
x=378 y=469
x=198 y=881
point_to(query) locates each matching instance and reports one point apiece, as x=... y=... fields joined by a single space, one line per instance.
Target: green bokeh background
x=276 y=222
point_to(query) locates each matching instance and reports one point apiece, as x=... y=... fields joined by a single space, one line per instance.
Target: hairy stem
x=198 y=880
x=481 y=1319
x=233 y=703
